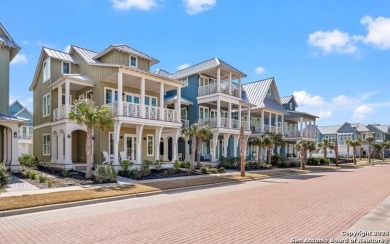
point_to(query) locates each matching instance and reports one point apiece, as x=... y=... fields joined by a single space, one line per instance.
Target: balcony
x=267 y=129
x=300 y=133
x=185 y=124
x=25 y=136
x=224 y=88
x=60 y=113
x=224 y=123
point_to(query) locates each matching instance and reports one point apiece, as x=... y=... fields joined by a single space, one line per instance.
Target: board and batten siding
x=121 y=58
x=4 y=80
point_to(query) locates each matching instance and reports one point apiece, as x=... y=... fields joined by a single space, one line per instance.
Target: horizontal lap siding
x=38 y=143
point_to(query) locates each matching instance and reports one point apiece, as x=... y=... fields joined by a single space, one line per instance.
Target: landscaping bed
x=157 y=174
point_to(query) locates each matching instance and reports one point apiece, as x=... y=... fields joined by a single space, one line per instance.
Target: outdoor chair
x=108 y=159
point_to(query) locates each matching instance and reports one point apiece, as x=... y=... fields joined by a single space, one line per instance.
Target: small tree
x=370 y=140
x=336 y=151
x=347 y=142
x=258 y=142
x=324 y=145
x=302 y=147
x=192 y=133
x=204 y=134
x=86 y=113
x=354 y=144
x=378 y=149
x=269 y=143
x=311 y=146
x=242 y=151
x=278 y=141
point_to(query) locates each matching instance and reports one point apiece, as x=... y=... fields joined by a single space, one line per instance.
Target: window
x=133 y=61
x=184 y=113
x=150 y=145
x=213 y=113
x=111 y=143
x=63 y=99
x=132 y=98
x=46 y=144
x=152 y=101
x=89 y=94
x=65 y=68
x=204 y=148
x=291 y=106
x=46 y=105
x=185 y=81
x=111 y=95
x=203 y=113
x=46 y=70
x=203 y=81
x=378 y=135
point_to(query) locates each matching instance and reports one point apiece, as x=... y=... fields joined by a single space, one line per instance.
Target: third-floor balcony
x=300 y=133
x=224 y=123
x=224 y=88
x=267 y=129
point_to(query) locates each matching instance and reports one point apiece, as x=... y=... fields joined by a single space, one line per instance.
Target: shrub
x=105 y=174
x=65 y=173
x=32 y=175
x=49 y=183
x=4 y=176
x=229 y=163
x=137 y=174
x=177 y=165
x=171 y=171
x=204 y=170
x=42 y=178
x=294 y=163
x=313 y=161
x=158 y=164
x=274 y=160
x=213 y=170
x=221 y=170
x=28 y=160
x=185 y=164
x=126 y=164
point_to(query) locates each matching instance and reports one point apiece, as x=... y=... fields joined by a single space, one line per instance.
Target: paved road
x=318 y=205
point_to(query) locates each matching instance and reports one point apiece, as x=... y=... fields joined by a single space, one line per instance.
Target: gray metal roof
x=163 y=73
x=86 y=54
x=6 y=40
x=326 y=130
x=256 y=92
x=272 y=104
x=128 y=50
x=359 y=127
x=285 y=99
x=383 y=128
x=204 y=66
x=60 y=55
x=300 y=114
x=173 y=99
x=9 y=118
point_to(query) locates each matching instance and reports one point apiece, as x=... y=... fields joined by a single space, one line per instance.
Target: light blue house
x=25 y=135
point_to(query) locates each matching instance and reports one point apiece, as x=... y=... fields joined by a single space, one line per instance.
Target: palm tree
x=192 y=133
x=268 y=142
x=369 y=140
x=347 y=141
x=242 y=151
x=378 y=149
x=384 y=145
x=360 y=149
x=311 y=146
x=302 y=147
x=86 y=113
x=324 y=145
x=258 y=142
x=354 y=144
x=204 y=134
x=278 y=140
x=336 y=151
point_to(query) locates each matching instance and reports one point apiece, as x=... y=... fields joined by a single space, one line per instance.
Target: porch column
x=262 y=121
x=157 y=136
x=9 y=147
x=59 y=97
x=67 y=98
x=283 y=124
x=139 y=130
x=165 y=156
x=214 y=147
x=229 y=115
x=239 y=86
x=142 y=102
x=60 y=147
x=239 y=116
x=5 y=144
x=14 y=163
x=120 y=92
x=54 y=147
x=248 y=123
x=117 y=129
x=277 y=124
x=175 y=137
x=230 y=83
x=301 y=125
x=225 y=144
x=187 y=148
x=218 y=79
x=178 y=104
x=161 y=101
x=305 y=127
x=235 y=144
x=218 y=113
x=68 y=149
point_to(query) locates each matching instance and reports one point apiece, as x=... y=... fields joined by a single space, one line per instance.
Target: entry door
x=130 y=147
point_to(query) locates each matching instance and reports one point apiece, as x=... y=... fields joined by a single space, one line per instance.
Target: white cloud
x=324 y=114
x=198 y=6
x=378 y=32
x=25 y=42
x=333 y=42
x=343 y=100
x=259 y=70
x=183 y=66
x=361 y=111
x=20 y=59
x=67 y=48
x=305 y=98
x=139 y=4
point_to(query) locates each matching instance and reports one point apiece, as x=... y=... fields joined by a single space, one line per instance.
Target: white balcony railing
x=185 y=124
x=224 y=88
x=300 y=133
x=60 y=113
x=235 y=124
x=206 y=90
x=170 y=115
x=25 y=136
x=152 y=112
x=131 y=110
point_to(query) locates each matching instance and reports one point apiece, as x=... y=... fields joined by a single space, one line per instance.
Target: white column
x=59 y=97
x=283 y=124
x=187 y=148
x=225 y=144
x=54 y=147
x=262 y=121
x=239 y=86
x=305 y=127
x=117 y=129
x=15 y=165
x=60 y=146
x=157 y=136
x=214 y=147
x=139 y=130
x=68 y=150
x=239 y=116
x=120 y=92
x=9 y=148
x=67 y=98
x=142 y=102
x=235 y=144
x=218 y=113
x=161 y=101
x=229 y=115
x=178 y=104
x=300 y=125
x=249 y=119
x=165 y=157
x=5 y=143
x=230 y=83
x=175 y=137
x=218 y=79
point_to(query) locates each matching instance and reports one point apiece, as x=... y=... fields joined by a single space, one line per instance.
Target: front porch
x=9 y=129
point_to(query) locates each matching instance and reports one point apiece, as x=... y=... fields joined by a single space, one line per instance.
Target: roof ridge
x=56 y=50
x=259 y=80
x=83 y=48
x=195 y=64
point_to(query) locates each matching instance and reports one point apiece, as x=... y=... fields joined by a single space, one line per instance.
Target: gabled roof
x=76 y=77
x=204 y=66
x=326 y=130
x=359 y=127
x=287 y=99
x=172 y=99
x=15 y=107
x=382 y=128
x=66 y=57
x=128 y=50
x=6 y=40
x=256 y=92
x=86 y=54
x=163 y=73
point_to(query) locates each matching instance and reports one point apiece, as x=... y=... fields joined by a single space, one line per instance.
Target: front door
x=130 y=147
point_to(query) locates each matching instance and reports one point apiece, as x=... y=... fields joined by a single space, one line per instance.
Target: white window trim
x=133 y=95
x=147 y=145
x=46 y=144
x=204 y=77
x=62 y=67
x=291 y=107
x=105 y=92
x=48 y=64
x=150 y=100
x=185 y=81
x=136 y=61
x=204 y=111
x=182 y=113
x=86 y=94
x=43 y=105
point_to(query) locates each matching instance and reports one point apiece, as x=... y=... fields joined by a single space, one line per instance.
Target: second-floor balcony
x=224 y=123
x=213 y=88
x=25 y=136
x=300 y=133
x=60 y=113
x=267 y=129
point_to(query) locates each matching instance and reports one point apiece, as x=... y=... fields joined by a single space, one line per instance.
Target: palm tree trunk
x=354 y=155
x=242 y=151
x=269 y=156
x=369 y=152
x=200 y=145
x=360 y=154
x=347 y=153
x=325 y=153
x=259 y=155
x=193 y=149
x=88 y=149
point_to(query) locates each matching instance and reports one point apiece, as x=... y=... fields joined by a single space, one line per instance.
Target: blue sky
x=334 y=56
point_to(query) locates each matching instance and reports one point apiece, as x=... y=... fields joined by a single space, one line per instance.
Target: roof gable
x=256 y=92
x=346 y=128
x=327 y=130
x=6 y=40
x=15 y=107
x=128 y=50
x=288 y=99
x=25 y=114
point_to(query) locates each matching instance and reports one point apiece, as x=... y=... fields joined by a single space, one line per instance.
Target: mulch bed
x=160 y=174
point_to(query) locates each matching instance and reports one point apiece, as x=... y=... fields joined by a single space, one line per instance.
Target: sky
x=333 y=56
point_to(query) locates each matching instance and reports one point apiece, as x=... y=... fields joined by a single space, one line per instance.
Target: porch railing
x=235 y=124
x=212 y=88
x=170 y=115
x=25 y=136
x=185 y=124
x=60 y=113
x=152 y=112
x=206 y=90
x=300 y=133
x=131 y=110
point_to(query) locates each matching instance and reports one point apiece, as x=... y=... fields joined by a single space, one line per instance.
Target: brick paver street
x=318 y=205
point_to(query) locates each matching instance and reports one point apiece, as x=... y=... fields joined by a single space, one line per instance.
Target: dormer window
x=291 y=106
x=65 y=68
x=46 y=70
x=133 y=61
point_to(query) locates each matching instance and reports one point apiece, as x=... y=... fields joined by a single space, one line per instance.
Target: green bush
x=42 y=178
x=126 y=165
x=230 y=163
x=171 y=171
x=158 y=164
x=185 y=164
x=294 y=163
x=204 y=170
x=145 y=167
x=4 y=176
x=105 y=174
x=221 y=170
x=313 y=161
x=213 y=170
x=65 y=173
x=32 y=175
x=28 y=160
x=274 y=160
x=177 y=165
x=49 y=183
x=137 y=174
